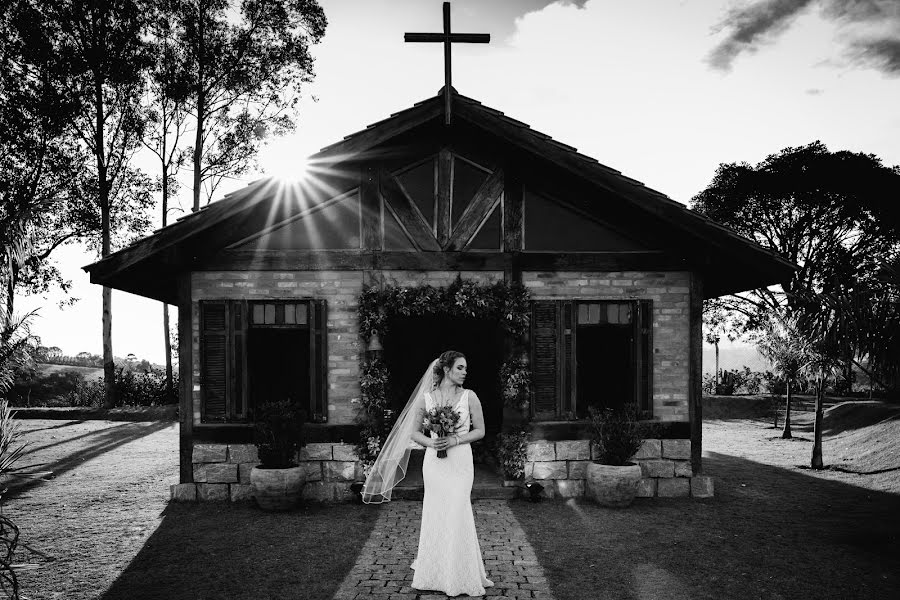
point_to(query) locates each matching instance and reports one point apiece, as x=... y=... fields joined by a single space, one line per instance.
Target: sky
x=662 y=90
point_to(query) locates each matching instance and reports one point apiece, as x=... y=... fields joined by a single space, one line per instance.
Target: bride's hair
x=447 y=359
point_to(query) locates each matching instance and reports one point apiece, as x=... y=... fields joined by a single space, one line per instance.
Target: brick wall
x=670 y=294
x=340 y=289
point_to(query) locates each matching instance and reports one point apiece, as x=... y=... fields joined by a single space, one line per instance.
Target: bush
x=278 y=433
x=512 y=450
x=733 y=382
x=133 y=388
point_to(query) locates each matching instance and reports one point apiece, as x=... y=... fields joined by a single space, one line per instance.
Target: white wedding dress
x=449 y=556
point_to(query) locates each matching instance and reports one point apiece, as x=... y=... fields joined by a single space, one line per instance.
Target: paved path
x=383 y=569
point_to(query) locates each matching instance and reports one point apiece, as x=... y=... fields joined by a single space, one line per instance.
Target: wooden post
x=370 y=208
x=695 y=371
x=186 y=380
x=444 y=192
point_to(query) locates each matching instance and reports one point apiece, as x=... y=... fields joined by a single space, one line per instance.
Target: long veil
x=390 y=466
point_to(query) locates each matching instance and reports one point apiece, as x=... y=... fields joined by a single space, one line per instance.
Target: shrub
x=515 y=383
x=512 y=450
x=616 y=433
x=133 y=388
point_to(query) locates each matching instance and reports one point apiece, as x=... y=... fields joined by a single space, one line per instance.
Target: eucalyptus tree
x=247 y=63
x=100 y=51
x=167 y=124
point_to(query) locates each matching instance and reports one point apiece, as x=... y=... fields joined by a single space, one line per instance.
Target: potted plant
x=612 y=480
x=278 y=481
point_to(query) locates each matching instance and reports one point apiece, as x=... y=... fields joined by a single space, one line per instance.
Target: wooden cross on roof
x=448 y=38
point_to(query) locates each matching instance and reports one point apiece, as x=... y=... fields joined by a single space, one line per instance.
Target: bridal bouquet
x=442 y=420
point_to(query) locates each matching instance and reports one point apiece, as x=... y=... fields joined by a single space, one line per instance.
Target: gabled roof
x=128 y=268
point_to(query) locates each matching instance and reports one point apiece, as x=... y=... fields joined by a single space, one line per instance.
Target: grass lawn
x=774 y=530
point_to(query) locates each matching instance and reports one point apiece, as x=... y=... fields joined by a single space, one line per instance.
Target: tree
x=785 y=345
x=718 y=321
x=832 y=213
x=829 y=212
x=246 y=66
x=100 y=48
x=167 y=122
x=39 y=161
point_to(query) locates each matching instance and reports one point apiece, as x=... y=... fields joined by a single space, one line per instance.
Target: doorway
x=413 y=342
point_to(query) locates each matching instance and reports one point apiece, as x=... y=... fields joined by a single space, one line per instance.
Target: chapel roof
x=127 y=263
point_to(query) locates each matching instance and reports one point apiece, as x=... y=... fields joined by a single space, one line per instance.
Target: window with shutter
x=590 y=353
x=261 y=351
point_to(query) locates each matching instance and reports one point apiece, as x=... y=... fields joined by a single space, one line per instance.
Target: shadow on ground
x=770 y=533
x=93 y=444
x=237 y=551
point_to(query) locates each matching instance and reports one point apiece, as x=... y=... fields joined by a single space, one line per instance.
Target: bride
x=449 y=556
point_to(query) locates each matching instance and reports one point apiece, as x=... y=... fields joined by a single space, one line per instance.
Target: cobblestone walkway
x=383 y=570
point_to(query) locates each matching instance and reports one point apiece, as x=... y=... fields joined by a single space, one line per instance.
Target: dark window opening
x=604 y=366
x=278 y=365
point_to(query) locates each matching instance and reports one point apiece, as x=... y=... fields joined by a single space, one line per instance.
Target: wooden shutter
x=239 y=318
x=318 y=357
x=567 y=368
x=544 y=358
x=214 y=360
x=644 y=357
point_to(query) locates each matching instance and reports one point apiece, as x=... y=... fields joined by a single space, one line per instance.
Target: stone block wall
x=670 y=294
x=561 y=467
x=222 y=472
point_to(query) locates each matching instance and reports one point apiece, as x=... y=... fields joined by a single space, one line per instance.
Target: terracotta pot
x=277 y=489
x=611 y=486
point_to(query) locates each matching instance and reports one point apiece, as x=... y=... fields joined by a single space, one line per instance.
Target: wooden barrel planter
x=612 y=486
x=277 y=489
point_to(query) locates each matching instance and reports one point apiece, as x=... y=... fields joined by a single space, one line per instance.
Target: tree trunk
x=167 y=338
x=716 y=388
x=786 y=432
x=816 y=462
x=109 y=367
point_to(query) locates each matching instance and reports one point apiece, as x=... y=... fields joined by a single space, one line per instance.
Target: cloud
x=869 y=30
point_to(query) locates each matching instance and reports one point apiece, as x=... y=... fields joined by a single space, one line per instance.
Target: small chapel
x=274 y=286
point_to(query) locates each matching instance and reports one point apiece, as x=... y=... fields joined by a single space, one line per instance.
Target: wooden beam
x=354 y=260
x=513 y=215
x=407 y=213
x=186 y=387
x=601 y=261
x=444 y=191
x=695 y=372
x=483 y=202
x=370 y=209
